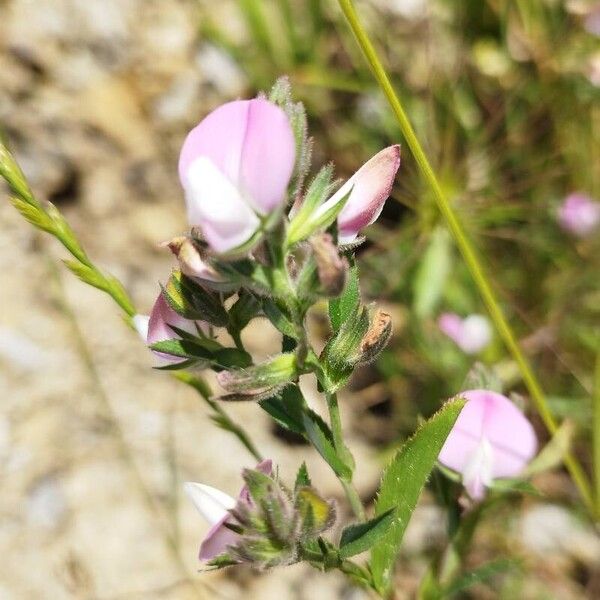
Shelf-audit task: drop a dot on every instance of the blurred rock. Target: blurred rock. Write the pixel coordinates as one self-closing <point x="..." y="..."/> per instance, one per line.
<point x="46" y="505"/>
<point x="554" y="530"/>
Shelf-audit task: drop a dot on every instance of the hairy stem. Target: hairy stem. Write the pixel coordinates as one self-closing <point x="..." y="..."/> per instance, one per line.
<point x="465" y="246"/>
<point x="596" y="434"/>
<point x="335" y="422"/>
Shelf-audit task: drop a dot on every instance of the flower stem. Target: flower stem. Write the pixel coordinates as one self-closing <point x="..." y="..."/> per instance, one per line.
<point x="335" y="422"/>
<point x="596" y="435"/>
<point x="465" y="246"/>
<point x="222" y="419"/>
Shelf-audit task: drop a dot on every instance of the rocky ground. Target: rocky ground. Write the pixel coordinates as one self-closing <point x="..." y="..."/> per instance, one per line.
<point x="96" y="98"/>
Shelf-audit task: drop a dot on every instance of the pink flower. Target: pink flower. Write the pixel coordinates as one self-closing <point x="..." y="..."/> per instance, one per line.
<point x="579" y="214"/>
<point x="235" y="167"/>
<point x="214" y="505"/>
<point x="369" y="188"/>
<point x="491" y="439"/>
<point x="591" y="22"/>
<point x="156" y="327"/>
<point x="471" y="334"/>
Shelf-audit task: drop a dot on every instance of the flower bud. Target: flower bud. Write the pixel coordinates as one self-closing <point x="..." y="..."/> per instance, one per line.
<point x="261" y="378"/>
<point x="491" y="439"/>
<point x="579" y="215"/>
<point x="369" y="188"/>
<point x="235" y="166"/>
<point x="265" y="526"/>
<point x="331" y="267"/>
<point x="214" y="506"/>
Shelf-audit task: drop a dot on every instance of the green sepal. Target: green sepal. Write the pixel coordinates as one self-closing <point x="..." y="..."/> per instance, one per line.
<point x="342" y="351"/>
<point x="302" y="228"/>
<point x="302" y="477"/>
<point x="194" y="302"/>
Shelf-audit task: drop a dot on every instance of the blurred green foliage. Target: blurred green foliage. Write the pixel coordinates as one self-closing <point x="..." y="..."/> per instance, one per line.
<point x="502" y="97"/>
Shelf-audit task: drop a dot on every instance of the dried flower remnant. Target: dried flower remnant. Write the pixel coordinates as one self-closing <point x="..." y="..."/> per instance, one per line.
<point x="491" y="439"/>
<point x="471" y="334"/>
<point x="235" y="167"/>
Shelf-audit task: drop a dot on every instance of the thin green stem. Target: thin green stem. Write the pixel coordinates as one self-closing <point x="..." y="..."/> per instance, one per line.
<point x="221" y="417"/>
<point x="353" y="499"/>
<point x="465" y="246"/>
<point x="596" y="435"/>
<point x="335" y="422"/>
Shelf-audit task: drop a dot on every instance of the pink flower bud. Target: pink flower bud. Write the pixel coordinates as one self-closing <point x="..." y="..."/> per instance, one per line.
<point x="214" y="505"/>
<point x="471" y="334"/>
<point x="491" y="439"/>
<point x="234" y="167"/>
<point x="579" y="215"/>
<point x="369" y="188"/>
<point x="156" y="327"/>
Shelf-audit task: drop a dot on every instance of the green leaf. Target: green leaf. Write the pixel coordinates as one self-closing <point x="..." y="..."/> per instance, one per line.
<point x="302" y="477"/>
<point x="179" y="366"/>
<point x="360" y="537"/>
<point x="182" y="349"/>
<point x="342" y="307"/>
<point x="320" y="435"/>
<point x="232" y="357"/>
<point x="193" y="301"/>
<point x="319" y="220"/>
<point x="259" y="484"/>
<point x="243" y="311"/>
<point x="431" y="276"/>
<point x="553" y="453"/>
<point x="278" y="318"/>
<point x="479" y="575"/>
<point x="287" y="409"/>
<point x="402" y="483"/>
<point x="318" y="191"/>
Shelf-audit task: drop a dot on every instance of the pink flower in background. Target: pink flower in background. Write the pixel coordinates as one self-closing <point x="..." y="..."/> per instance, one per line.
<point x="471" y="334"/>
<point x="592" y="20"/>
<point x="214" y="505"/>
<point x="579" y="214"/>
<point x="156" y="327"/>
<point x="369" y="188"/>
<point x="235" y="167"/>
<point x="491" y="439"/>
